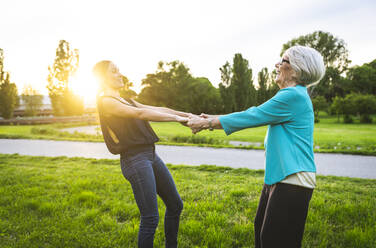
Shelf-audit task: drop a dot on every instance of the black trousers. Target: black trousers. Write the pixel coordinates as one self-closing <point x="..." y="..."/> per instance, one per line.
<point x="281" y="216"/>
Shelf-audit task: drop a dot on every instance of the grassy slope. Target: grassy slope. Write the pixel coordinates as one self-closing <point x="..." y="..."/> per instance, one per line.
<point x="75" y="202"/>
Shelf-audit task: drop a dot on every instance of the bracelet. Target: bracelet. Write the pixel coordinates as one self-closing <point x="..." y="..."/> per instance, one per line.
<point x="210" y="125"/>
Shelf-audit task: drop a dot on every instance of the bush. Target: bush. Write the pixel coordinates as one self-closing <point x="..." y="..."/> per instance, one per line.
<point x="43" y="131"/>
<point x="319" y="104"/>
<point x="365" y="106"/>
<point x="195" y="139"/>
<point x="355" y="104"/>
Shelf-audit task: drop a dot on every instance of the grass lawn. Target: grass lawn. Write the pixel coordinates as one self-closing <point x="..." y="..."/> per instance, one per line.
<point x="329" y="136"/>
<point x="76" y="202"/>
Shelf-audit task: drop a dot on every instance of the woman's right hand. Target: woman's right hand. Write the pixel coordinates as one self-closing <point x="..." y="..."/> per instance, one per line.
<point x="204" y="115"/>
<point x="180" y="119"/>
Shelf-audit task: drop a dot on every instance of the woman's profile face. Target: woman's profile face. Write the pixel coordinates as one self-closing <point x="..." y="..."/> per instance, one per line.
<point x="114" y="77"/>
<point x="284" y="71"/>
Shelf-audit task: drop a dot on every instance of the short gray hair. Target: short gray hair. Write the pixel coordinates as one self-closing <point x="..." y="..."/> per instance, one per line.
<point x="307" y="63"/>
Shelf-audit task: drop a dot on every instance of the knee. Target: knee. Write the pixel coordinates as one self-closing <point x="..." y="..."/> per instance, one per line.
<point x="150" y="222"/>
<point x="175" y="209"/>
<point x="179" y="206"/>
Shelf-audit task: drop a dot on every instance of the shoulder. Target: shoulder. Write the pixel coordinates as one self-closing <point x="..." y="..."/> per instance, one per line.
<point x="286" y="95"/>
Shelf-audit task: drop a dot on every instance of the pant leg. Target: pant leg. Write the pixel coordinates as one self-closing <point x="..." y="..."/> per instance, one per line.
<point x="260" y="213"/>
<point x="285" y="216"/>
<point x="166" y="189"/>
<point x="139" y="172"/>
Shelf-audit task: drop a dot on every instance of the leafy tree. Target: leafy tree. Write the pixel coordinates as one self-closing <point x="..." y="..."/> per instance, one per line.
<point x="8" y="91"/>
<point x="263" y="82"/>
<point x="226" y="89"/>
<point x="205" y="98"/>
<point x="344" y="106"/>
<point x="32" y="99"/>
<point x="273" y="88"/>
<point x="319" y="104"/>
<point x="365" y="106"/>
<point x="244" y="90"/>
<point x="236" y="87"/>
<point x="173" y="86"/>
<point x="363" y="78"/>
<point x="335" y="55"/>
<point x="126" y="92"/>
<point x="63" y="100"/>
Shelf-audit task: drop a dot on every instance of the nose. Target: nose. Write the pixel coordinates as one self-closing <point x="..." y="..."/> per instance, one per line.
<point x="277" y="65"/>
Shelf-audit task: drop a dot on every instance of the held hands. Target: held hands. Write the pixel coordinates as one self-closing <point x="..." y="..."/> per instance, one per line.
<point x="198" y="123"/>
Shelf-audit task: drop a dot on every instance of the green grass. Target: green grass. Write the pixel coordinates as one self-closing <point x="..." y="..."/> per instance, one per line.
<point x="329" y="136"/>
<point x="76" y="202"/>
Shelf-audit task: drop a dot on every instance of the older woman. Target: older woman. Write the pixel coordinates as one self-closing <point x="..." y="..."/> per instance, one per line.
<point x="290" y="167"/>
<point x="127" y="132"/>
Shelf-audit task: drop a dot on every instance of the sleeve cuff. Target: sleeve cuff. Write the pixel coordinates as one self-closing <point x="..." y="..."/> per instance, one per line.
<point x="224" y="123"/>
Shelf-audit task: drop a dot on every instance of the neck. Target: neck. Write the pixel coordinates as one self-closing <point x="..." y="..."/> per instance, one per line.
<point x="111" y="92"/>
<point x="288" y="84"/>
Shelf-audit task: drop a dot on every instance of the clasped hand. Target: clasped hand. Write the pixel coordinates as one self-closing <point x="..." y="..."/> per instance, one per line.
<point x="197" y="122"/>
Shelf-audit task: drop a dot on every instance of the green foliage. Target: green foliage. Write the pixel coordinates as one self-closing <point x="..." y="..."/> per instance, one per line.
<point x="8" y="92"/>
<point x="32" y="101"/>
<point x="363" y="78"/>
<point x="344" y="106"/>
<point x="205" y="98"/>
<point x="226" y="90"/>
<point x="64" y="102"/>
<point x="76" y="202"/>
<point x="126" y="91"/>
<point x="262" y="91"/>
<point x="236" y="87"/>
<point x="353" y="104"/>
<point x="365" y="106"/>
<point x="173" y="86"/>
<point x="319" y="104"/>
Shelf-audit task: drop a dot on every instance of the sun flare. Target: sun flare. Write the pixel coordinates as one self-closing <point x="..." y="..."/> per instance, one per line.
<point x="85" y="85"/>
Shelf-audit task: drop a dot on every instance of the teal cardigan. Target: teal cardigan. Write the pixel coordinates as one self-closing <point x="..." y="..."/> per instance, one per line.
<point x="289" y="140"/>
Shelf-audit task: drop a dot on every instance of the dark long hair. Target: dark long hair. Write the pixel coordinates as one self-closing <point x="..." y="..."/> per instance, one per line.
<point x="100" y="70"/>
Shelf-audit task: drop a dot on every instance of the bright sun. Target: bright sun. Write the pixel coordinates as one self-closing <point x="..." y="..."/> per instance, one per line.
<point x="85" y="84"/>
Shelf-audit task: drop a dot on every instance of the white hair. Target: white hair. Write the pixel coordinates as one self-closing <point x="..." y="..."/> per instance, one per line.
<point x="307" y="63"/>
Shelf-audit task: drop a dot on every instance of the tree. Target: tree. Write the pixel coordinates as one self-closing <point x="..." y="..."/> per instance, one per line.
<point x="365" y="106"/>
<point x="344" y="106"/>
<point x="263" y="82"/>
<point x="169" y="86"/>
<point x="63" y="100"/>
<point x="273" y="87"/>
<point x="32" y="100"/>
<point x="205" y="98"/>
<point x="126" y="92"/>
<point x="226" y="90"/>
<point x="244" y="90"/>
<point x="173" y="86"/>
<point x="319" y="104"/>
<point x="236" y="87"/>
<point x="363" y="78"/>
<point x="8" y="91"/>
<point x="335" y="55"/>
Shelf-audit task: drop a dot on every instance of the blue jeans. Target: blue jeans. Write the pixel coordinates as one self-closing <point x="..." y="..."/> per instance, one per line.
<point x="149" y="176"/>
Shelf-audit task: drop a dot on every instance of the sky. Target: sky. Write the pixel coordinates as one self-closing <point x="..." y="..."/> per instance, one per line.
<point x="203" y="34"/>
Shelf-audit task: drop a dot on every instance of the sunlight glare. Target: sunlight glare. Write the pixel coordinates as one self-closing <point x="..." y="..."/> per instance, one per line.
<point x="84" y="84"/>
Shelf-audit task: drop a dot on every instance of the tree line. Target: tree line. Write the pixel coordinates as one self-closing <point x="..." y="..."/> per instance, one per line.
<point x="172" y="85"/>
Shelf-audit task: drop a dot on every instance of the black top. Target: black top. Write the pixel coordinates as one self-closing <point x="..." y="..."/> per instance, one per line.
<point x="122" y="134"/>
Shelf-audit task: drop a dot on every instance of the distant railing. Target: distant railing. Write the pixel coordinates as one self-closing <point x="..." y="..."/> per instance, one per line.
<point x="90" y="119"/>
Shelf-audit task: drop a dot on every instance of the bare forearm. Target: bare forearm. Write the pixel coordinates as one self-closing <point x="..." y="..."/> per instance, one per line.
<point x="161" y="109"/>
<point x="152" y="115"/>
<point x="171" y="111"/>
